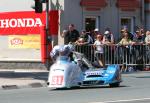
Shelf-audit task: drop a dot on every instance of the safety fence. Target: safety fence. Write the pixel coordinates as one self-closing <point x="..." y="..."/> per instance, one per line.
<point x="131" y="55"/>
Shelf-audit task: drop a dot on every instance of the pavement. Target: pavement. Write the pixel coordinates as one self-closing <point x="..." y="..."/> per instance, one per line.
<point x="22" y="78"/>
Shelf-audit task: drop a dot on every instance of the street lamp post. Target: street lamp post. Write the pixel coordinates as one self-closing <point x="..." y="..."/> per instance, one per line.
<point x="47" y="17"/>
<point x="48" y="38"/>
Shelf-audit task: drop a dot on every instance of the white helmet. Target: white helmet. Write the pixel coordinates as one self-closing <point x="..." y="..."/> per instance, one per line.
<point x="64" y="50"/>
<point x="71" y="47"/>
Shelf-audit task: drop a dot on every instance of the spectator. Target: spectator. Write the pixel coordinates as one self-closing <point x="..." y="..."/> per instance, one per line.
<point x="125" y="40"/>
<point x="129" y="33"/>
<point x="139" y="37"/>
<point x="147" y="38"/>
<point x="72" y="34"/>
<point x="98" y="45"/>
<point x="83" y="39"/>
<point x="124" y="49"/>
<point x="142" y="33"/>
<point x="86" y="37"/>
<point x="90" y="39"/>
<point x="139" y="49"/>
<point x="108" y="40"/>
<point x="91" y="34"/>
<point x="108" y="37"/>
<point x="82" y="43"/>
<point x="96" y="32"/>
<point x="147" y="41"/>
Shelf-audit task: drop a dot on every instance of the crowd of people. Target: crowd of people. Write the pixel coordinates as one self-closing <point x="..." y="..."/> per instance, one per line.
<point x="89" y="37"/>
<point x="98" y="39"/>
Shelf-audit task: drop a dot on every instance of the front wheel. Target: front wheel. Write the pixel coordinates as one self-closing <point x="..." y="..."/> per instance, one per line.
<point x="114" y="85"/>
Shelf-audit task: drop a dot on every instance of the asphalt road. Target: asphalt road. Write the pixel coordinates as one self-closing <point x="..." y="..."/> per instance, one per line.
<point x="134" y="89"/>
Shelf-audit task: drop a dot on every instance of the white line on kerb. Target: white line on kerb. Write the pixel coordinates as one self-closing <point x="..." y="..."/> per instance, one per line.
<point x="117" y="101"/>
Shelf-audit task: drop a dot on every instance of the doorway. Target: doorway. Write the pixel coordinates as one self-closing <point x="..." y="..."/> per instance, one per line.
<point x="91" y="23"/>
<point x="127" y="22"/>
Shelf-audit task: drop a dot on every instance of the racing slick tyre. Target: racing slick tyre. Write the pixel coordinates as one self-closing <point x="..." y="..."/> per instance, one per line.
<point x="75" y="87"/>
<point x="114" y="85"/>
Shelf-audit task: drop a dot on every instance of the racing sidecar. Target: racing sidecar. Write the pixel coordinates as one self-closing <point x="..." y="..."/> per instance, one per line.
<point x="66" y="74"/>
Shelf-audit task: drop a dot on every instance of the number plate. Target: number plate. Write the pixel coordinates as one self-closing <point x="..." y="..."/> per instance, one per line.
<point x="57" y="80"/>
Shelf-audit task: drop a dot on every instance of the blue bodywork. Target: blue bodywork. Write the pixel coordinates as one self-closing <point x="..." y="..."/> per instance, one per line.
<point x="111" y="75"/>
<point x="99" y="76"/>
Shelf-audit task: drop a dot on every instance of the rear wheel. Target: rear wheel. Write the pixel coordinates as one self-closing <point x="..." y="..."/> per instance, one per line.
<point x="114" y="84"/>
<point x="75" y="87"/>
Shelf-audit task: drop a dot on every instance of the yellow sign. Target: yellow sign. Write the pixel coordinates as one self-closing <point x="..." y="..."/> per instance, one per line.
<point x="24" y="41"/>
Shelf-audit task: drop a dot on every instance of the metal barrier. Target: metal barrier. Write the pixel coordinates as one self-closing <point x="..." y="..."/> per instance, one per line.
<point x="132" y="55"/>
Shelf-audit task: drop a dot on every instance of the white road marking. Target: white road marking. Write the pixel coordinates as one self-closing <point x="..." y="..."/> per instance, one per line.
<point x="117" y="101"/>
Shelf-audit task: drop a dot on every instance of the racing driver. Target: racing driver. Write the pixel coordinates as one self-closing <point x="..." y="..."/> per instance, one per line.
<point x="62" y="50"/>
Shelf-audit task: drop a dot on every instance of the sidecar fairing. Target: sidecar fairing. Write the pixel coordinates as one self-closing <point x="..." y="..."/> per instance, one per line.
<point x="64" y="74"/>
